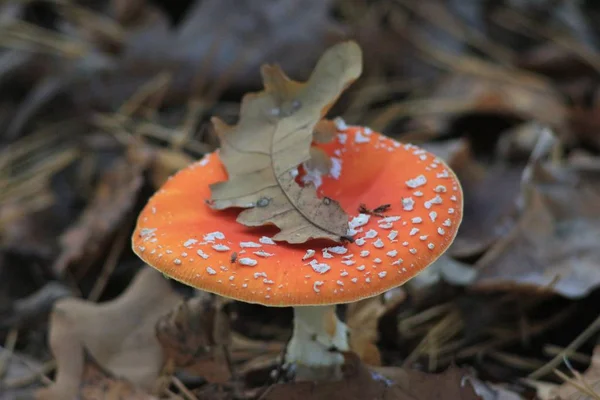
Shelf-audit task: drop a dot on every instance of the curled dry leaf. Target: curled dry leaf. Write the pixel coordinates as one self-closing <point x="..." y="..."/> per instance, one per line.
<point x="273" y="137"/>
<point x="119" y="334"/>
<point x="360" y="382"/>
<point x="554" y="245"/>
<point x="193" y="337"/>
<point x="115" y="196"/>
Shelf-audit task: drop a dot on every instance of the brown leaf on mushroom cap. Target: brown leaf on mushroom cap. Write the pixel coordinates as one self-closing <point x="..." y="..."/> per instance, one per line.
<point x="273" y="137"/>
<point x="119" y="334"/>
<point x="192" y="337"/>
<point x="554" y="245"/>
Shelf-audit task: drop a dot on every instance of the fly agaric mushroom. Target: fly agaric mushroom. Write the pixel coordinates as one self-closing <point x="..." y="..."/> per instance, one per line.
<point x="419" y="196"/>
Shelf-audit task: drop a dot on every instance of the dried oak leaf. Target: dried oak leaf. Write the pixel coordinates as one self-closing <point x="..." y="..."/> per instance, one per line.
<point x="119" y="334"/>
<point x="360" y="383"/>
<point x="568" y="391"/>
<point x="194" y="336"/>
<point x="272" y="138"/>
<point x="554" y="245"/>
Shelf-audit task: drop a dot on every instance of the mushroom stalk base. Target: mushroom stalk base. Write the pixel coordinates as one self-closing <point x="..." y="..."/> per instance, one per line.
<point x="317" y="331"/>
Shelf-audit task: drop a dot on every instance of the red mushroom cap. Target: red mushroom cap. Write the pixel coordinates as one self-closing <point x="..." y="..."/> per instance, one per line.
<point x="180" y="235"/>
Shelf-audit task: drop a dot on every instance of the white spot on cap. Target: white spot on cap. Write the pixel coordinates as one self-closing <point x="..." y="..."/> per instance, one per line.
<point x="431" y="246"/>
<point x="202" y="254"/>
<point x="443" y="174"/>
<point x="392" y="253"/>
<point x="141" y="248"/>
<point x="211" y="271"/>
<point x="340" y="283"/>
<point x="408" y="204"/>
<point x="389" y="225"/>
<point x="424" y="237"/>
<point x="414" y="231"/>
<point x="378" y="243"/>
<point x="382" y="274"/>
<point x="316" y="286"/>
<point x="441" y="231"/>
<point x="412" y="251"/>
<point x="447" y="222"/>
<point x="220" y="247"/>
<point x="453" y="198"/>
<point x="340" y="124"/>
<point x="393" y="235"/>
<point x="309" y="254"/>
<point x="361" y="268"/>
<point x="344" y="273"/>
<point x="342" y="137"/>
<point x="377" y="261"/>
<point x="250" y="244"/>
<point x="389" y="219"/>
<point x="440" y="189"/>
<point x="177" y="261"/>
<point x="359" y="220"/>
<point x="416" y="182"/>
<point x="337" y="249"/>
<point x="249" y="262"/>
<point x="360" y="241"/>
<point x="336" y="168"/>
<point x="262" y="253"/>
<point x="354" y="280"/>
<point x="266" y="240"/>
<point x="318" y="267"/>
<point x="433" y="216"/>
<point x="364" y="253"/>
<point x="348" y="262"/>
<point x="398" y="262"/>
<point x="360" y="138"/>
<point x="417" y="220"/>
<point x="211" y="237"/>
<point x="371" y="233"/>
<point x="188" y="243"/>
<point x="451" y="211"/>
<point x="260" y="274"/>
<point x="147" y="232"/>
<point x="326" y="254"/>
<point x="418" y="193"/>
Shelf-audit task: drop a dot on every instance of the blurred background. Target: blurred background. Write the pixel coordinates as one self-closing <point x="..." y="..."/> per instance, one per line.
<point x="102" y="100"/>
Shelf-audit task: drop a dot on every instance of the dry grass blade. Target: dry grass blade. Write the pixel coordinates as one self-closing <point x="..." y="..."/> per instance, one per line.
<point x="590" y="331"/>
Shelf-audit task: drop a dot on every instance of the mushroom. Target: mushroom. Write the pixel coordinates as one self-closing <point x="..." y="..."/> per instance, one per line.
<point x="419" y="204"/>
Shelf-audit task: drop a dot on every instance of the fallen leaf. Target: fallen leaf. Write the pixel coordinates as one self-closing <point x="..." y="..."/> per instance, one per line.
<point x="490" y="190"/>
<point x="554" y="245"/>
<point x="119" y="334"/>
<point x="511" y="94"/>
<point x="98" y="383"/>
<point x="568" y="391"/>
<point x="361" y="383"/>
<point x="115" y="196"/>
<point x="193" y="337"/>
<point x="273" y="137"/>
<point x="362" y="318"/>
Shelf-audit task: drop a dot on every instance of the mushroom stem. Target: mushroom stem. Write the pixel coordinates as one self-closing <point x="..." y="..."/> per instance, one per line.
<point x="317" y="331"/>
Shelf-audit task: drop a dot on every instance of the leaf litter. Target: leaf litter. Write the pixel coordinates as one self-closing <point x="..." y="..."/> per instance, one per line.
<point x="101" y="104"/>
